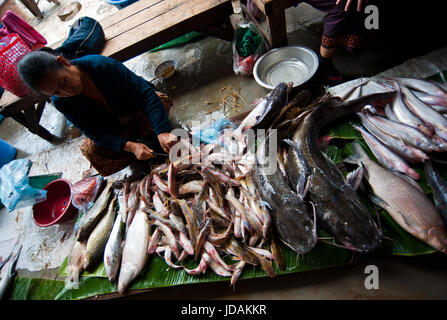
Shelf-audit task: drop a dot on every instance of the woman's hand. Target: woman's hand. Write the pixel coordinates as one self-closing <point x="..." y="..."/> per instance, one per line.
<point x="360" y="4"/>
<point x="167" y="140"/>
<point x="140" y="150"/>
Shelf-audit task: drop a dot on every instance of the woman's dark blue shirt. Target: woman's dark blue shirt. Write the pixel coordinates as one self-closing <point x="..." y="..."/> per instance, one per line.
<point x="125" y="93"/>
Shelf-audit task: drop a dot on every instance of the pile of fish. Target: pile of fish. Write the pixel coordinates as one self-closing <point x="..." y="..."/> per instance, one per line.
<point x="223" y="206"/>
<point x="204" y="209"/>
<point x="408" y="130"/>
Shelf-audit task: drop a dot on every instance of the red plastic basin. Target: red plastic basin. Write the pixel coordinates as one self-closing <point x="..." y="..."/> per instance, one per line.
<point x="57" y="208"/>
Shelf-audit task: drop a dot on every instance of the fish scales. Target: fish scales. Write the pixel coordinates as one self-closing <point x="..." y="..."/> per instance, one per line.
<point x="95" y="213"/>
<point x="406" y="204"/>
<point x="98" y="238"/>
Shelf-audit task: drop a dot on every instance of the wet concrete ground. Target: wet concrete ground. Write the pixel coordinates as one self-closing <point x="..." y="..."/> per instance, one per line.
<point x="207" y="68"/>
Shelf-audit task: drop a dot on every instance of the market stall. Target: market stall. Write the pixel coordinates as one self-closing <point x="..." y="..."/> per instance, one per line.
<point x="44" y="261"/>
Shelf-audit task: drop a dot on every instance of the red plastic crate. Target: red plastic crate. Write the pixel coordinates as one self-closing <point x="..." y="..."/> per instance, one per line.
<point x="9" y="57"/>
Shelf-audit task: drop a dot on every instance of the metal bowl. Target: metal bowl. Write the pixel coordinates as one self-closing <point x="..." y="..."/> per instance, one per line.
<point x="295" y="64"/>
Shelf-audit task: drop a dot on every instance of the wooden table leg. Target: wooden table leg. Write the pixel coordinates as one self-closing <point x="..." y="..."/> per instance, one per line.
<point x="277" y="27"/>
<point x="24" y="119"/>
<point x="265" y="35"/>
<point x="32" y="6"/>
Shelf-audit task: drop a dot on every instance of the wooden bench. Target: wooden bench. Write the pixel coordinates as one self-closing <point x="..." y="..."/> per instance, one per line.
<point x="129" y="32"/>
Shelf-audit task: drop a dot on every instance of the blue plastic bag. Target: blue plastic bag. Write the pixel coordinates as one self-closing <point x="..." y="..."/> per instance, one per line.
<point x="212" y="133"/>
<point x="15" y="191"/>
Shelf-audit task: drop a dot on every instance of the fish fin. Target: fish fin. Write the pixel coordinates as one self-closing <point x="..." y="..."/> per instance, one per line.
<point x="302" y="186"/>
<point x="409" y="221"/>
<point x="409" y="180"/>
<point x="378" y="201"/>
<point x="358" y="155"/>
<point x="265" y="204"/>
<point x="354" y="178"/>
<point x="291" y="143"/>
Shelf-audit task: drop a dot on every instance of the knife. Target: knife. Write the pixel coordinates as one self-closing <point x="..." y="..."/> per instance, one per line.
<point x="151" y="146"/>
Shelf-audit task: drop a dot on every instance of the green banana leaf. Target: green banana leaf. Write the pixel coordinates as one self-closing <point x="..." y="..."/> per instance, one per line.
<point x="157" y="274"/>
<point x="178" y="41"/>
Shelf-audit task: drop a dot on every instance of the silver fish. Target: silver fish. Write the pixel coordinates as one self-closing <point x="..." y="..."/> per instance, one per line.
<point x="408" y="134"/>
<point x="114" y="249"/>
<point x="409" y="153"/>
<point x="385" y="156"/>
<point x="421" y="85"/>
<point x="7" y="280"/>
<point x="135" y="254"/>
<point x="431" y="100"/>
<point x="405" y="116"/>
<point x="406" y="204"/>
<point x="122" y="203"/>
<point x="426" y="113"/>
<point x="390" y="114"/>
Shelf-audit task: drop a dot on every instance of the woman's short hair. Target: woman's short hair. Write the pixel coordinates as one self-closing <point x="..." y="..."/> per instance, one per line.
<point x="36" y="64"/>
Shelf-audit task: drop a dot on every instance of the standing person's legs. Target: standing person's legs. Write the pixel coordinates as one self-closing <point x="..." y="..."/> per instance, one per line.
<point x="108" y="162"/>
<point x="341" y="29"/>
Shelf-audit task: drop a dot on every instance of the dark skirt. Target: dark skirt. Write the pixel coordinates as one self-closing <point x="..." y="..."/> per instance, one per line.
<point x="108" y="162"/>
<point x="341" y="29"/>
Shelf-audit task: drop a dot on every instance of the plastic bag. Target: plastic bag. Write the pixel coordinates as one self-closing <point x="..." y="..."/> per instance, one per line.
<point x="212" y="133"/>
<point x="84" y="192"/>
<point x="248" y="46"/>
<point x="13" y="23"/>
<point x="15" y="191"/>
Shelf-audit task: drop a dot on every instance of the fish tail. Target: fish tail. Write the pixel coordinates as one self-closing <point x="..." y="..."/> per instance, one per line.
<point x="358" y="156"/>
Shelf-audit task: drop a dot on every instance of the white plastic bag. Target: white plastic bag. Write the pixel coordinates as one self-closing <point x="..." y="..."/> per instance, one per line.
<point x="244" y="64"/>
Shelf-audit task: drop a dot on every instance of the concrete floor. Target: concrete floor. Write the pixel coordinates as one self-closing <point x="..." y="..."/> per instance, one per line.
<point x="191" y="87"/>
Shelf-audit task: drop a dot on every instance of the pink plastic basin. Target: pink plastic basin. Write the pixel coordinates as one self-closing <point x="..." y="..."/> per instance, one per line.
<point x="57" y="208"/>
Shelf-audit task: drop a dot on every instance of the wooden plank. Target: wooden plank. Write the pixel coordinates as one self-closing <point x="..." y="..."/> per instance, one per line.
<point x="194" y="15"/>
<point x="128" y="11"/>
<point x="10" y="103"/>
<point x="163" y="8"/>
<point x="268" y="6"/>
